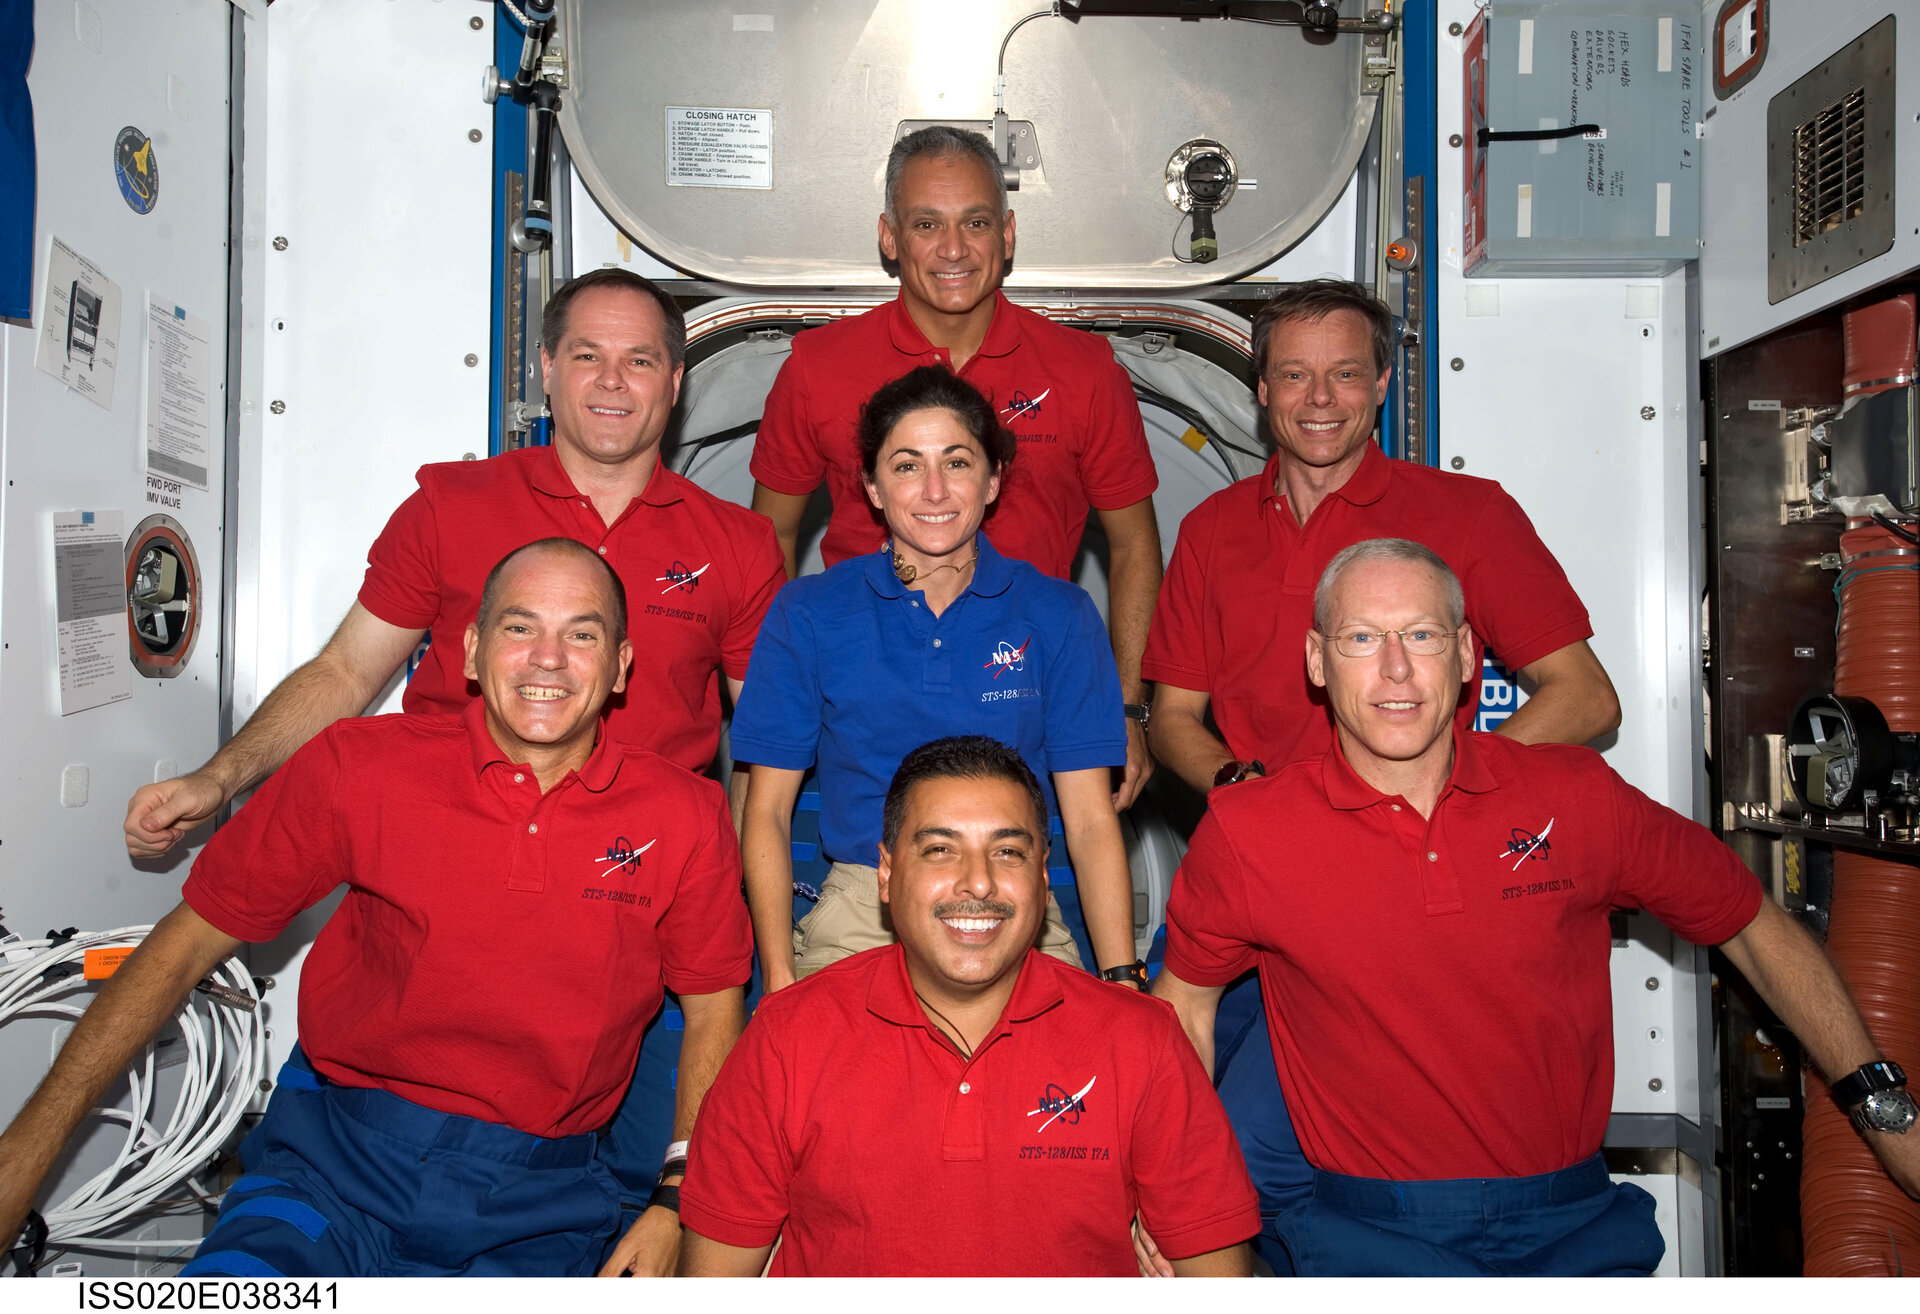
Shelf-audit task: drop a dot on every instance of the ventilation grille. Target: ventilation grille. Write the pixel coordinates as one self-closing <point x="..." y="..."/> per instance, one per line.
<point x="1830" y="168"/>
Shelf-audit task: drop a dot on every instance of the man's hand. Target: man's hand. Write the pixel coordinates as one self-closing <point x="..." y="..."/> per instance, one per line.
<point x="1139" y="768"/>
<point x="1147" y="1254"/>
<point x="1900" y="1156"/>
<point x="159" y="816"/>
<point x="651" y="1247"/>
<point x="340" y="681"/>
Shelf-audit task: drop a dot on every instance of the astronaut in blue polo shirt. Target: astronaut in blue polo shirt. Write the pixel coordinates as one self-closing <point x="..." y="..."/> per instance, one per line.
<point x="936" y="634"/>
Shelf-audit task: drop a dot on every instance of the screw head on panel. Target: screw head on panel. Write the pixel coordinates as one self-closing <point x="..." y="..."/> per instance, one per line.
<point x="1653" y="983"/>
<point x="476" y="22"/>
<point x="1647" y="412"/>
<point x="1455" y="140"/>
<point x="1456" y="364"/>
<point x="1653" y="1084"/>
<point x="473" y="134"/>
<point x="472" y="360"/>
<point x="1454" y="29"/>
<point x="277" y="407"/>
<point x="279" y="243"/>
<point x="1459" y="463"/>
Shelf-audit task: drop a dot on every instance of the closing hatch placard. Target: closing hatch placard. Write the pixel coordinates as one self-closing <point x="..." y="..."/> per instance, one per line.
<point x="711" y="146"/>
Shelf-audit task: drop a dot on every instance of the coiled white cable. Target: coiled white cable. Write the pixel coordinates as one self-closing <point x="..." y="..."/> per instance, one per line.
<point x="225" y="1057"/>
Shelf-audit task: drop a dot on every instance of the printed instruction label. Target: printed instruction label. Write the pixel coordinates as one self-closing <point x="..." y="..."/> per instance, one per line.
<point x="90" y="609"/>
<point x="718" y="147"/>
<point x="79" y="341"/>
<point x="179" y="417"/>
<point x="99" y="964"/>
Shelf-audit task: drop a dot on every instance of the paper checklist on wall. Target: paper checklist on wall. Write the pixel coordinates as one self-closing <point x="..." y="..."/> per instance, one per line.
<point x="79" y="325"/>
<point x="178" y="419"/>
<point x="90" y="604"/>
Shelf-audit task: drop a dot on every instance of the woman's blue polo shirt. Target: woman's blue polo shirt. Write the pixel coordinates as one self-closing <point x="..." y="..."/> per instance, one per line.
<point x="851" y="673"/>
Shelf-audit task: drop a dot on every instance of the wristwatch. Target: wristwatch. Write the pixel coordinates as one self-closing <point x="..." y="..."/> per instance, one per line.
<point x="1875" y="1097"/>
<point x="1136" y="972"/>
<point x="1232" y="773"/>
<point x="1141" y="712"/>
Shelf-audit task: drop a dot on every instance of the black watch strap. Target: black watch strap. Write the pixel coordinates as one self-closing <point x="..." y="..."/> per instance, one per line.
<point x="666" y="1197"/>
<point x="1136" y="972"/>
<point x="1865" y="1080"/>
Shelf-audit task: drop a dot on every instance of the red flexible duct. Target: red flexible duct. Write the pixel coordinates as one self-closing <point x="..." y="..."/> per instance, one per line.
<point x="1854" y="1220"/>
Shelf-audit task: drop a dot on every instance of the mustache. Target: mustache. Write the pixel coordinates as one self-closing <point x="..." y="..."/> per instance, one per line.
<point x="974" y="908"/>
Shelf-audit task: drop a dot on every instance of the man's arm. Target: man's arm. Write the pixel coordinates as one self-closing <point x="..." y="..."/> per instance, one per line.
<point x="1195" y="1007"/>
<point x="1181" y="739"/>
<point x="701" y="1257"/>
<point x="1573" y="701"/>
<point x="1794" y="976"/>
<point x="1133" y="582"/>
<point x="134" y="1003"/>
<point x="766" y="849"/>
<point x="651" y="1247"/>
<point x="1234" y="1261"/>
<point x="1099" y="863"/>
<point x="742" y="771"/>
<point x="785" y="511"/>
<point x="340" y="681"/>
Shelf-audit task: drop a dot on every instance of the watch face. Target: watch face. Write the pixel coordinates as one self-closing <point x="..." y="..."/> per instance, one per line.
<point x="1887" y="1111"/>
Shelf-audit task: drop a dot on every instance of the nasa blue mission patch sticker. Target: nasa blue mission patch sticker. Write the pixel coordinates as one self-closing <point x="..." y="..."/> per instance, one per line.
<point x="136" y="169"/>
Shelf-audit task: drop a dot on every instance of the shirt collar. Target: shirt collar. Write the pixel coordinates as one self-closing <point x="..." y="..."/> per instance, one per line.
<point x="992" y="574"/>
<point x="548" y="476"/>
<point x="1346" y="791"/>
<point x="891" y="997"/>
<point x="596" y="773"/>
<point x="1367" y="484"/>
<point x="1003" y="334"/>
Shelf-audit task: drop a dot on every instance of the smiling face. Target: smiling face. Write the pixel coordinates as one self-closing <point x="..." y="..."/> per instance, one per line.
<point x="932" y="483"/>
<point x="1393" y="708"/>
<point x="611" y="384"/>
<point x="966" y="878"/>
<point x="1321" y="388"/>
<point x="948" y="234"/>
<point x="546" y="660"/>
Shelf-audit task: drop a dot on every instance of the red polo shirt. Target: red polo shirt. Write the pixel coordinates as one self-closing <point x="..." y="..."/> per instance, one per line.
<point x="1057" y="389"/>
<point x="1438" y="989"/>
<point x="699" y="573"/>
<point x="1237" y="600"/>
<point x="847" y="1123"/>
<point x="499" y="951"/>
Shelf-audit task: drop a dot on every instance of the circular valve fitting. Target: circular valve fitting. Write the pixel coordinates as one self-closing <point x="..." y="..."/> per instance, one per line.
<point x="163" y="597"/>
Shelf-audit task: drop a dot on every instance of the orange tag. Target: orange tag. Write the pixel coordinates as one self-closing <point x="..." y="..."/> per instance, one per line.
<point x="99" y="964"/>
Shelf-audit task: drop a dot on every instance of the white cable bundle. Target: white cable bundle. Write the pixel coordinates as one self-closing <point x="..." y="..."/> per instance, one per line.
<point x="225" y="1058"/>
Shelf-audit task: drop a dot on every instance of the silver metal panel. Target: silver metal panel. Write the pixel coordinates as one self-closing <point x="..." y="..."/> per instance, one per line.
<point x="1830" y="163"/>
<point x="371" y="312"/>
<point x="1112" y="98"/>
<point x="164" y="69"/>
<point x="1574" y="394"/>
<point x="1734" y="307"/>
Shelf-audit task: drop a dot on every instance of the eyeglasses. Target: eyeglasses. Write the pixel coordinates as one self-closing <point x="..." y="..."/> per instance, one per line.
<point x="1422" y="641"/>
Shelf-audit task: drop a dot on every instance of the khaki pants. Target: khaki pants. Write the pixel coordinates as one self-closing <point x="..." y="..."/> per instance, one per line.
<point x="850" y="918"/>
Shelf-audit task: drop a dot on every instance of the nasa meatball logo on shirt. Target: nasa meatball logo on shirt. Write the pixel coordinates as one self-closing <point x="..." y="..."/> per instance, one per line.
<point x="1022" y="406"/>
<point x="622" y="859"/>
<point x="679" y="580"/>
<point x="1526" y="847"/>
<point x="1008" y="658"/>
<point x="1061" y="1112"/>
